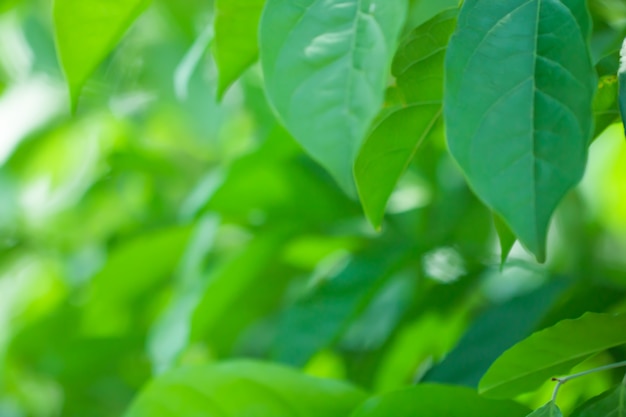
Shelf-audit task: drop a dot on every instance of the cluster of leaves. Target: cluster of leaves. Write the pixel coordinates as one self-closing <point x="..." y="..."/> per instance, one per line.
<point x="175" y="240"/>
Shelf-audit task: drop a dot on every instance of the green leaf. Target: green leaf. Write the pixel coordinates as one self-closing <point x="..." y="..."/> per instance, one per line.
<point x="244" y="388"/>
<point x="436" y="401"/>
<point x="490" y="335"/>
<point x="548" y="410"/>
<point x="552" y="352"/>
<point x="235" y="45"/>
<point x="610" y="404"/>
<point x="326" y="66"/>
<point x="87" y="31"/>
<point x="506" y="236"/>
<point x="421" y="11"/>
<point x="391" y="145"/>
<point x="622" y="84"/>
<point x="316" y="320"/>
<point x="520" y="130"/>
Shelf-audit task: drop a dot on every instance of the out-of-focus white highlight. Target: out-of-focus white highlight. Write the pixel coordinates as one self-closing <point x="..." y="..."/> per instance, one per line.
<point x="26" y="107"/>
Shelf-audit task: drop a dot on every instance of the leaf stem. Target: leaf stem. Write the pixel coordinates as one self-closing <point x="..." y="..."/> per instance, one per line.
<point x="563" y="380"/>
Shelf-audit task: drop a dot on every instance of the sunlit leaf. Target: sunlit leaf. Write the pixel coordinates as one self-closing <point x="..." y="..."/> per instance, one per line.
<point x="391" y="145"/>
<point x="437" y="401"/>
<point x="244" y="388"/>
<point x="87" y="31"/>
<point x="552" y="352"/>
<point x="326" y="66"/>
<point x="235" y="44"/>
<point x="519" y="92"/>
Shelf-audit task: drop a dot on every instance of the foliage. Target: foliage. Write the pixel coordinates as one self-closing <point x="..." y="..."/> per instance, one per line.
<point x="293" y="207"/>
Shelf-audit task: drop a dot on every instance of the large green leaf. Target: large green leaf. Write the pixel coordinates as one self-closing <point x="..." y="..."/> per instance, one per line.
<point x="552" y="352"/>
<point x="438" y="401"/>
<point x="391" y="145"/>
<point x="326" y="65"/>
<point x="518" y="106"/>
<point x="548" y="410"/>
<point x="244" y="388"/>
<point x="235" y="45"/>
<point x="610" y="404"/>
<point x="87" y="31"/>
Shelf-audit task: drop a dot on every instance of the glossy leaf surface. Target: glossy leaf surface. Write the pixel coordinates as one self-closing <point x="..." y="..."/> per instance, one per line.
<point x="326" y="66"/>
<point x="552" y="352"/>
<point x="235" y="45"/>
<point x="519" y="92"/>
<point x="437" y="401"/>
<point x="391" y="145"/>
<point x="244" y="388"/>
<point x="87" y="31"/>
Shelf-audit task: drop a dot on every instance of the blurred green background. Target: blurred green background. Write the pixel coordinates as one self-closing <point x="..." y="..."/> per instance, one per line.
<point x="157" y="227"/>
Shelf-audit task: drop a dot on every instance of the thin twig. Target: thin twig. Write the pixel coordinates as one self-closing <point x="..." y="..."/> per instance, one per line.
<point x="563" y="380"/>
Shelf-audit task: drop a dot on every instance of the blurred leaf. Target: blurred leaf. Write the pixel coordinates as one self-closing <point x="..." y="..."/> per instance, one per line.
<point x="244" y="388"/>
<point x="87" y="31"/>
<point x="540" y="106"/>
<point x="611" y="403"/>
<point x="319" y="318"/>
<point x="133" y="268"/>
<point x="326" y="66"/>
<point x="552" y="352"/>
<point x="438" y="401"/>
<point x="493" y="332"/>
<point x="239" y="281"/>
<point x="390" y="147"/>
<point x="236" y="45"/>
<point x="622" y="84"/>
<point x="548" y="410"/>
<point x="605" y="104"/>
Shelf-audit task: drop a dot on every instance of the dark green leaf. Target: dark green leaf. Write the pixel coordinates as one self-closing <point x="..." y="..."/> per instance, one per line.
<point x="518" y="106"/>
<point x="235" y="45"/>
<point x="326" y="66"/>
<point x="506" y="236"/>
<point x="552" y="352"/>
<point x="87" y="31"/>
<point x="438" y="401"/>
<point x="610" y="404"/>
<point x="244" y="388"/>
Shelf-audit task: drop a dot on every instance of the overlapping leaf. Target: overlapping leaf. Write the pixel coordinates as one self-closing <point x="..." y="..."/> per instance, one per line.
<point x="436" y="401"/>
<point x="518" y="106"/>
<point x="326" y="65"/>
<point x="548" y="410"/>
<point x="87" y="31"/>
<point x="552" y="352"/>
<point x="393" y="142"/>
<point x="244" y="388"/>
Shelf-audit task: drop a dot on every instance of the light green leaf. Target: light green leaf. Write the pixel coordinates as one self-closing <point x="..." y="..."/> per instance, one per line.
<point x="610" y="404"/>
<point x="421" y="11"/>
<point x="552" y="352"/>
<point x="436" y="401"/>
<point x="392" y="144"/>
<point x="518" y="106"/>
<point x="235" y="45"/>
<point x="244" y="388"/>
<point x="548" y="410"/>
<point x="87" y="31"/>
<point x="326" y="66"/>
